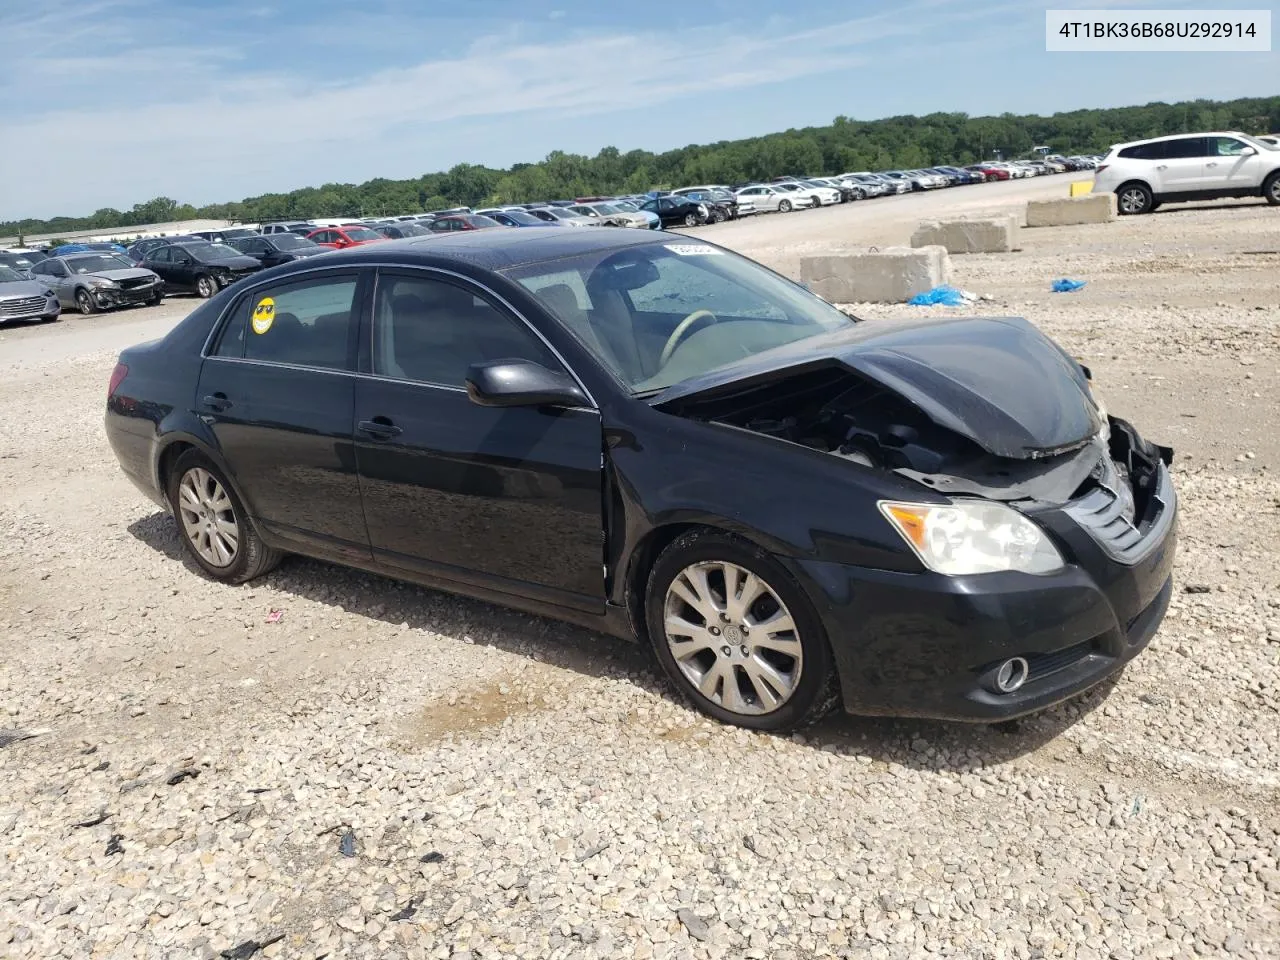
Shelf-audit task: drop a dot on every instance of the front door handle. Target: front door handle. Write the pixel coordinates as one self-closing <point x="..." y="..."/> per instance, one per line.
<point x="379" y="428"/>
<point x="1163" y="167"/>
<point x="216" y="401"/>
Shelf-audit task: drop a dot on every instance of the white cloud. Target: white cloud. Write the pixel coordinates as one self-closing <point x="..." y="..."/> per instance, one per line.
<point x="211" y="137"/>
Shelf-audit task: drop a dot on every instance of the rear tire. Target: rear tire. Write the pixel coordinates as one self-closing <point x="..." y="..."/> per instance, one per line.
<point x="1271" y="189"/>
<point x="732" y="665"/>
<point x="213" y="526"/>
<point x="1133" y="199"/>
<point x="206" y="287"/>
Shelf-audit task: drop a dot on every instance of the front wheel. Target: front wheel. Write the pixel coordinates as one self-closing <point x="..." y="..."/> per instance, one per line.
<point x="206" y="287"/>
<point x="1134" y="198"/>
<point x="212" y="523"/>
<point x="690" y="220"/>
<point x="736" y="635"/>
<point x="784" y="206"/>
<point x="156" y="300"/>
<point x="84" y="301"/>
<point x="719" y="216"/>
<point x="1271" y="189"/>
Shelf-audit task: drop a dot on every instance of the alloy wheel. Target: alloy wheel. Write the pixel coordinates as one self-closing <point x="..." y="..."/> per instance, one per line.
<point x="1133" y="200"/>
<point x="732" y="637"/>
<point x="208" y="518"/>
<point x="1275" y="190"/>
<point x="84" y="301"/>
<point x="205" y="287"/>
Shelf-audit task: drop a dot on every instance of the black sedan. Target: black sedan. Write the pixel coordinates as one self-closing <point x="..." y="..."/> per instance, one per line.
<point x="660" y="438"/>
<point x="276" y="248"/>
<point x="199" y="267"/>
<point x="677" y="211"/>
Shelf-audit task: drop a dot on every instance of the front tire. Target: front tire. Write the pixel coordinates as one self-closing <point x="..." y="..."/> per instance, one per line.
<point x="206" y="287"/>
<point x="212" y="523"/>
<point x="84" y="302"/>
<point x="1133" y="199"/>
<point x="1271" y="189"/>
<point x="690" y="220"/>
<point x="156" y="300"/>
<point x="719" y="216"/>
<point x="736" y="635"/>
<point x="784" y="206"/>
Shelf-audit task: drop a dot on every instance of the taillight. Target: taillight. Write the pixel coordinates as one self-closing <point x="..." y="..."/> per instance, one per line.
<point x="117" y="377"/>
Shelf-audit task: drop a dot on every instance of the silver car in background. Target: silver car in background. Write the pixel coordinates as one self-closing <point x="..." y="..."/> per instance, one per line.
<point x="22" y="298"/>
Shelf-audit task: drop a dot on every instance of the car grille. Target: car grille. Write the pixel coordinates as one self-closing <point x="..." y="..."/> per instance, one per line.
<point x="21" y="308"/>
<point x="134" y="282"/>
<point x="1101" y="513"/>
<point x="1041" y="665"/>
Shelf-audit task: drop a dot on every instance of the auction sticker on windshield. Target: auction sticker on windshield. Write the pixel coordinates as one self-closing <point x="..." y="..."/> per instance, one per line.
<point x="694" y="250"/>
<point x="264" y="314"/>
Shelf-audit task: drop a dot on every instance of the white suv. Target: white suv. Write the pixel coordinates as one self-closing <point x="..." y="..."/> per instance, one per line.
<point x="1202" y="166"/>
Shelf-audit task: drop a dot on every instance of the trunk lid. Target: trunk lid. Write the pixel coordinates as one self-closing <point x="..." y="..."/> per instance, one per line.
<point x="998" y="381"/>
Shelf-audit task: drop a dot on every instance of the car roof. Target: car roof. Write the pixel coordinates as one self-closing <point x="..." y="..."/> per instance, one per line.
<point x="1180" y="136"/>
<point x="502" y="249"/>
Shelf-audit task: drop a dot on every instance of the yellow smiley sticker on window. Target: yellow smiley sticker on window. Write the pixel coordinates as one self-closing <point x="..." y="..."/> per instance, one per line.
<point x="264" y="314"/>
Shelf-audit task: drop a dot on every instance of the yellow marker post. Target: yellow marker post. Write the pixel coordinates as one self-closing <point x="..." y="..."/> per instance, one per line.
<point x="264" y="314"/>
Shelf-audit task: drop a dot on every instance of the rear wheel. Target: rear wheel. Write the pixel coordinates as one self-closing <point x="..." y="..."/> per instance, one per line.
<point x="736" y="635"/>
<point x="1271" y="189"/>
<point x="1134" y="198"/>
<point x="84" y="301"/>
<point x="212" y="523"/>
<point x="206" y="287"/>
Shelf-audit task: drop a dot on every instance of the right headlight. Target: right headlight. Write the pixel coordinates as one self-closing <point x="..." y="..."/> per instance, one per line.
<point x="972" y="536"/>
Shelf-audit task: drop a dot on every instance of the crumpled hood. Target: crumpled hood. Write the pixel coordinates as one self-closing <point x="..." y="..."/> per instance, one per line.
<point x="123" y="273"/>
<point x="998" y="381"/>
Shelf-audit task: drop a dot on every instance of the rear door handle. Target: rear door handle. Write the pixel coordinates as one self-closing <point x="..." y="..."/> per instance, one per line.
<point x="217" y="401"/>
<point x="379" y="428"/>
<point x="1214" y="164"/>
<point x="1163" y="167"/>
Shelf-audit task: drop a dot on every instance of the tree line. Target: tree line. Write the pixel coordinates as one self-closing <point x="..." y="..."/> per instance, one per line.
<point x="845" y="145"/>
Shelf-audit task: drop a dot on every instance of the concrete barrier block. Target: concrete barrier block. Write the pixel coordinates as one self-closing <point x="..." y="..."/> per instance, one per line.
<point x="991" y="235"/>
<point x="1091" y="208"/>
<point x="892" y="275"/>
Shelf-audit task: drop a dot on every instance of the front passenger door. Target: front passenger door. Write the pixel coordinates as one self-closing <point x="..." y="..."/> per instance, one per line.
<point x="1228" y="168"/>
<point x="505" y="499"/>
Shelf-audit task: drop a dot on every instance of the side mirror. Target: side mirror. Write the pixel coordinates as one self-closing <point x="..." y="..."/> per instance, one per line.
<point x="1248" y="152"/>
<point x="521" y="383"/>
<point x="184" y="261"/>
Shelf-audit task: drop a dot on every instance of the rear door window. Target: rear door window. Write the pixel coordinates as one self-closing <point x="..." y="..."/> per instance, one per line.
<point x="308" y="323"/>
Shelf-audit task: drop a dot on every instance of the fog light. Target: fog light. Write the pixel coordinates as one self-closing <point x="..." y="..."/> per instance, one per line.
<point x="1011" y="675"/>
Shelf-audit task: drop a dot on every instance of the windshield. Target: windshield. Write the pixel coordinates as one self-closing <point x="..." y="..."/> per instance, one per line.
<point x="98" y="262"/>
<point x="210" y="252"/>
<point x="519" y="216"/>
<point x="1259" y="143"/>
<point x="660" y="313"/>
<point x="8" y="274"/>
<point x="362" y="233"/>
<point x="20" y="263"/>
<point x="291" y="241"/>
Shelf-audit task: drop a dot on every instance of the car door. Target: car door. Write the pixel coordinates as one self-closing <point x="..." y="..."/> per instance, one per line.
<point x="160" y="261"/>
<point x="1228" y="168"/>
<point x="277" y="391"/>
<point x="55" y="275"/>
<point x="502" y="498"/>
<point x="257" y="248"/>
<point x="1179" y="164"/>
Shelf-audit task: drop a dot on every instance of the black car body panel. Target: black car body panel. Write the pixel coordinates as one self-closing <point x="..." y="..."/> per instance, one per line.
<point x="561" y="511"/>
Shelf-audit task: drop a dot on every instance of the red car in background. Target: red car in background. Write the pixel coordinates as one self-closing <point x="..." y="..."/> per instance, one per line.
<point x="340" y="238"/>
<point x="991" y="173"/>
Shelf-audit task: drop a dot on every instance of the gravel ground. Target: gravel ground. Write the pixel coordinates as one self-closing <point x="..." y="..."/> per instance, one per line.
<point x="383" y="771"/>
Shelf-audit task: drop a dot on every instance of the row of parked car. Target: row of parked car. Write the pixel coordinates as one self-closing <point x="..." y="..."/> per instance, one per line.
<point x="91" y="277"/>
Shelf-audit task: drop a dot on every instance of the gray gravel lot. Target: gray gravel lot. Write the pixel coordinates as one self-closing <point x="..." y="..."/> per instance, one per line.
<point x="392" y="772"/>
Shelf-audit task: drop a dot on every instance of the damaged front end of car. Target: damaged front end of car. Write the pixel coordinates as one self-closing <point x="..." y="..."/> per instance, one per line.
<point x="1044" y="528"/>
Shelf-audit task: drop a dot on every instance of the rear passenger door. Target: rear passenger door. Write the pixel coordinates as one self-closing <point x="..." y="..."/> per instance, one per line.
<point x="277" y="390"/>
<point x="504" y="499"/>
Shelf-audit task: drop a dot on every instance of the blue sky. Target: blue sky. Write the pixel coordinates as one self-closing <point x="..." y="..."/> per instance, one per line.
<point x="112" y="102"/>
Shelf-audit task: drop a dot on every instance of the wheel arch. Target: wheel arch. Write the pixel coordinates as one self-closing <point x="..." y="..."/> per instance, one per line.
<point x="174" y="446"/>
